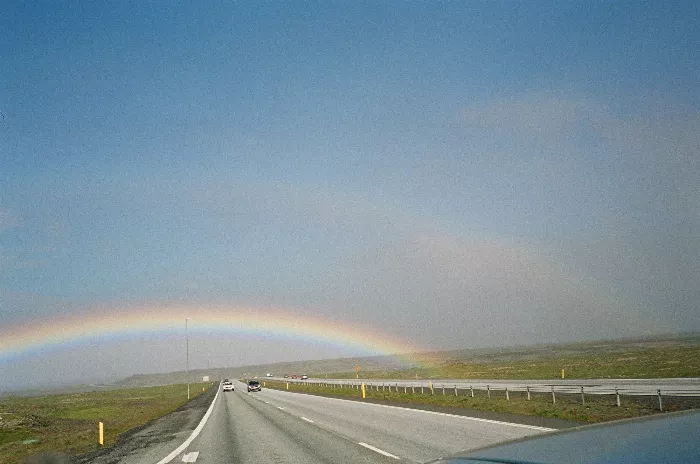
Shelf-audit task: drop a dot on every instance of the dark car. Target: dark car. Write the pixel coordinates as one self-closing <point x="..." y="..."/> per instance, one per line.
<point x="253" y="385"/>
<point x="668" y="439"/>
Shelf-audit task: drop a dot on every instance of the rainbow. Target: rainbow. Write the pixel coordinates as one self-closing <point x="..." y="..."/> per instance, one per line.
<point x="104" y="324"/>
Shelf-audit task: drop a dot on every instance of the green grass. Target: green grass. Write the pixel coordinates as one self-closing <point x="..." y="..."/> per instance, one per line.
<point x="610" y="360"/>
<point x="596" y="408"/>
<point x="69" y="422"/>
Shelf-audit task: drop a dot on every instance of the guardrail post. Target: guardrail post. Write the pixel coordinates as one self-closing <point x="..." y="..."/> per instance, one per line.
<point x="413" y="390"/>
<point x="528" y="392"/>
<point x="455" y="390"/>
<point x="617" y="397"/>
<point x="507" y="396"/>
<point x="661" y="406"/>
<point x="471" y="388"/>
<point x="554" y="398"/>
<point x="443" y="389"/>
<point x="421" y="389"/>
<point x="488" y="391"/>
<point x="583" y="399"/>
<point x="405" y="388"/>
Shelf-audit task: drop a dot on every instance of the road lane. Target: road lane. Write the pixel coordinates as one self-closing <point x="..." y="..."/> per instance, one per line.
<point x="244" y="430"/>
<point x="410" y="434"/>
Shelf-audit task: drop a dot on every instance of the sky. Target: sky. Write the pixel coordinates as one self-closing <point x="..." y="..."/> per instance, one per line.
<point x="442" y="175"/>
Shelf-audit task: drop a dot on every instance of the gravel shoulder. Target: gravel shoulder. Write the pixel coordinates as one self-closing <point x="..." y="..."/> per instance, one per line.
<point x="155" y="439"/>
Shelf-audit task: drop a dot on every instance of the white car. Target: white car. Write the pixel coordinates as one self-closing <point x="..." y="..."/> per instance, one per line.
<point x="228" y="386"/>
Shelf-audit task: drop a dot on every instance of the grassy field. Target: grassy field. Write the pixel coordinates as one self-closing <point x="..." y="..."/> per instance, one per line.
<point x="69" y="422"/>
<point x="677" y="358"/>
<point x="595" y="409"/>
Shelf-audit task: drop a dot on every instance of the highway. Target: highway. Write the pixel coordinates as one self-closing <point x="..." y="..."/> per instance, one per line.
<point x="282" y="427"/>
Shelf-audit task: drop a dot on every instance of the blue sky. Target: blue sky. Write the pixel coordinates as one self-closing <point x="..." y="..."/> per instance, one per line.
<point x="434" y="169"/>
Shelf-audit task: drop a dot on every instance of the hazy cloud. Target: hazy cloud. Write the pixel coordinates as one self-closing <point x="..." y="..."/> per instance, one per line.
<point x="8" y="220"/>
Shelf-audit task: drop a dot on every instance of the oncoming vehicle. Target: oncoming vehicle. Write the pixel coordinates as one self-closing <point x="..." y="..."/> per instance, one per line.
<point x="304" y="377"/>
<point x="228" y="386"/>
<point x="253" y="385"/>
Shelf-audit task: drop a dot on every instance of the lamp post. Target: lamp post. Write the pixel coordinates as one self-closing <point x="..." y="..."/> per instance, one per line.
<point x="187" y="356"/>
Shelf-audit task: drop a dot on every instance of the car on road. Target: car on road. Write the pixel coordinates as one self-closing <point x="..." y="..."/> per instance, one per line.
<point x="304" y="377"/>
<point x="253" y="385"/>
<point x="228" y="386"/>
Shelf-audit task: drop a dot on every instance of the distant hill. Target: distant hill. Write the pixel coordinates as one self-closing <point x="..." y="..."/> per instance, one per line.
<point x="317" y="367"/>
<point x="474" y="363"/>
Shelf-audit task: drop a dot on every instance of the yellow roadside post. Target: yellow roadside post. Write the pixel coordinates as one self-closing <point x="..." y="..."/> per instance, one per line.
<point x="431" y="387"/>
<point x="102" y="434"/>
<point x="562" y="373"/>
<point x="287" y="385"/>
<point x="364" y="391"/>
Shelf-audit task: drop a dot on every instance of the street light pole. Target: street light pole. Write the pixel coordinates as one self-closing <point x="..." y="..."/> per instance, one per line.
<point x="187" y="355"/>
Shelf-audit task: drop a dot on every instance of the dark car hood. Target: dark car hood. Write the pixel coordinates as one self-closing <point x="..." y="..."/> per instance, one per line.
<point x="668" y="438"/>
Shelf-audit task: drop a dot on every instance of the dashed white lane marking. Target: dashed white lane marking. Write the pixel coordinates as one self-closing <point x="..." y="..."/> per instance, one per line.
<point x="423" y="411"/>
<point x="190" y="457"/>
<point x="267" y="402"/>
<point x="377" y="450"/>
<point x="306" y="419"/>
<point x="280" y="407"/>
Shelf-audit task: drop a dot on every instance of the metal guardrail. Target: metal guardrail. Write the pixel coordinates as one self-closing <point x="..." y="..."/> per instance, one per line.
<point x="688" y="387"/>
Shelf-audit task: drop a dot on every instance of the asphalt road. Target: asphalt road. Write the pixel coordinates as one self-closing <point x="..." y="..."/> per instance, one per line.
<point x="281" y="427"/>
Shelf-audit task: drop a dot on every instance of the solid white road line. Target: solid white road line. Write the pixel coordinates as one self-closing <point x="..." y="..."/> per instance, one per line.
<point x="306" y="419"/>
<point x="190" y="457"/>
<point x="194" y="434"/>
<point x="377" y="450"/>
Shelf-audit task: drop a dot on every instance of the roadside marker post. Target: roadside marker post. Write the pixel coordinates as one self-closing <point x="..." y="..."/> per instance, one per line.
<point x="431" y="388"/>
<point x="364" y="391"/>
<point x="102" y="434"/>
